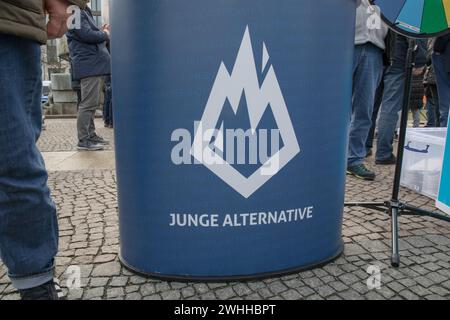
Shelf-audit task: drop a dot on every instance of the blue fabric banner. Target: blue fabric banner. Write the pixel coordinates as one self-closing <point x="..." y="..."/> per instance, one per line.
<point x="443" y="201"/>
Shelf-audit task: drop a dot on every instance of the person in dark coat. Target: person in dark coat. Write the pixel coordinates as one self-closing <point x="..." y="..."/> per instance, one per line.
<point x="90" y="63"/>
<point x="441" y="64"/>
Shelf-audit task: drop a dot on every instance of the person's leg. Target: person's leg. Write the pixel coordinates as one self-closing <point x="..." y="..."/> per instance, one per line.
<point x="90" y="89"/>
<point x="392" y="104"/>
<point x="28" y="222"/>
<point x="78" y="98"/>
<point x="107" y="104"/>
<point x="435" y="102"/>
<point x="366" y="81"/>
<point x="376" y="111"/>
<point x="443" y="85"/>
<point x="92" y="131"/>
<point x="430" y="109"/>
<point x="105" y="110"/>
<point x="416" y="117"/>
<point x="111" y="114"/>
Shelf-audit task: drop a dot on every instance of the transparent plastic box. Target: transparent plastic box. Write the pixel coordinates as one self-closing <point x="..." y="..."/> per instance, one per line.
<point x="423" y="160"/>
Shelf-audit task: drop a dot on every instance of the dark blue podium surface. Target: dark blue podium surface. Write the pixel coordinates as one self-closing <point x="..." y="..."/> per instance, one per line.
<point x="231" y="122"/>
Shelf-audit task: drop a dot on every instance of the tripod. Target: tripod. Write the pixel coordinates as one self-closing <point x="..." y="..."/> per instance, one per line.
<point x="395" y="207"/>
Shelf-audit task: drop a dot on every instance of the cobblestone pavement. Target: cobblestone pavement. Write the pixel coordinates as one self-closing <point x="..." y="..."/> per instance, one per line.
<point x="61" y="135"/>
<point x="87" y="206"/>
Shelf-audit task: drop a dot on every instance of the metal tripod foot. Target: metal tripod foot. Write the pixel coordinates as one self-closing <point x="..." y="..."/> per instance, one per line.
<point x="395" y="259"/>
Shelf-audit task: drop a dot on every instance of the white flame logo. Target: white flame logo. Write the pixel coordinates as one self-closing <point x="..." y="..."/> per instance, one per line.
<point x="244" y="80"/>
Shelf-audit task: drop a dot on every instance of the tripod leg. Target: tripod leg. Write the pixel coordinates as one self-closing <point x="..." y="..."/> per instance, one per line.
<point x="395" y="260"/>
<point x="395" y="207"/>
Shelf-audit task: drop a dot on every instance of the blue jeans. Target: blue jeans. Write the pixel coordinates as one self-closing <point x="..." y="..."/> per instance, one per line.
<point x="394" y="86"/>
<point x="28" y="222"/>
<point x="443" y="84"/>
<point x="376" y="111"/>
<point x="394" y="80"/>
<point x="367" y="74"/>
<point x="432" y="107"/>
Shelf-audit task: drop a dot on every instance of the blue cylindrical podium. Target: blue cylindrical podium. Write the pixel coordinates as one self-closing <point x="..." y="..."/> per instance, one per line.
<point x="231" y="126"/>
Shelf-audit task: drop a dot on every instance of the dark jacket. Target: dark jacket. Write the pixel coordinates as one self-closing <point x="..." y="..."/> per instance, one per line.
<point x="442" y="46"/>
<point x="26" y="18"/>
<point x="88" y="52"/>
<point x="399" y="52"/>
<point x="430" y="75"/>
<point x="390" y="44"/>
<point x="417" y="92"/>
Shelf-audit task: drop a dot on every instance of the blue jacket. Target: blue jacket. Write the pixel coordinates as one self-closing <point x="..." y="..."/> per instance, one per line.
<point x="87" y="45"/>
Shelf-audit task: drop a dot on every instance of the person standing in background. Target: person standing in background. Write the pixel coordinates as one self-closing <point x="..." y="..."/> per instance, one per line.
<point x="441" y="65"/>
<point x="28" y="221"/>
<point x="379" y="93"/>
<point x="394" y="87"/>
<point x="367" y="74"/>
<point x="90" y="63"/>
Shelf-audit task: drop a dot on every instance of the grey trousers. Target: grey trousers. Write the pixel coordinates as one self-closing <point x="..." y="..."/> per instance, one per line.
<point x="90" y="100"/>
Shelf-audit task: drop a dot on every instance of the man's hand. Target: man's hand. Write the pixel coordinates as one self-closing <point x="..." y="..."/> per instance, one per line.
<point x="58" y="16"/>
<point x="106" y="29"/>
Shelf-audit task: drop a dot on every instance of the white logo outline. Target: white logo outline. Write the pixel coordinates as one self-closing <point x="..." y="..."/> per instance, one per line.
<point x="231" y="87"/>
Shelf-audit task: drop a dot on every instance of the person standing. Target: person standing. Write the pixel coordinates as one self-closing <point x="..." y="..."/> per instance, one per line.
<point x="90" y="63"/>
<point x="441" y="65"/>
<point x="389" y="41"/>
<point x="367" y="74"/>
<point x="28" y="222"/>
<point x="394" y="83"/>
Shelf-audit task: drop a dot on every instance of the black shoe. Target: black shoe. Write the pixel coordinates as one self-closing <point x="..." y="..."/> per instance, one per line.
<point x="387" y="162"/>
<point x="361" y="172"/>
<point x="48" y="291"/>
<point x="99" y="140"/>
<point x="369" y="153"/>
<point x="89" y="146"/>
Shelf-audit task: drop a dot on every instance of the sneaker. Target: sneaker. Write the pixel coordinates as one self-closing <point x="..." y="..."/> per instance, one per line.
<point x="387" y="162"/>
<point x="89" y="146"/>
<point x="99" y="140"/>
<point x="48" y="291"/>
<point x="360" y="171"/>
